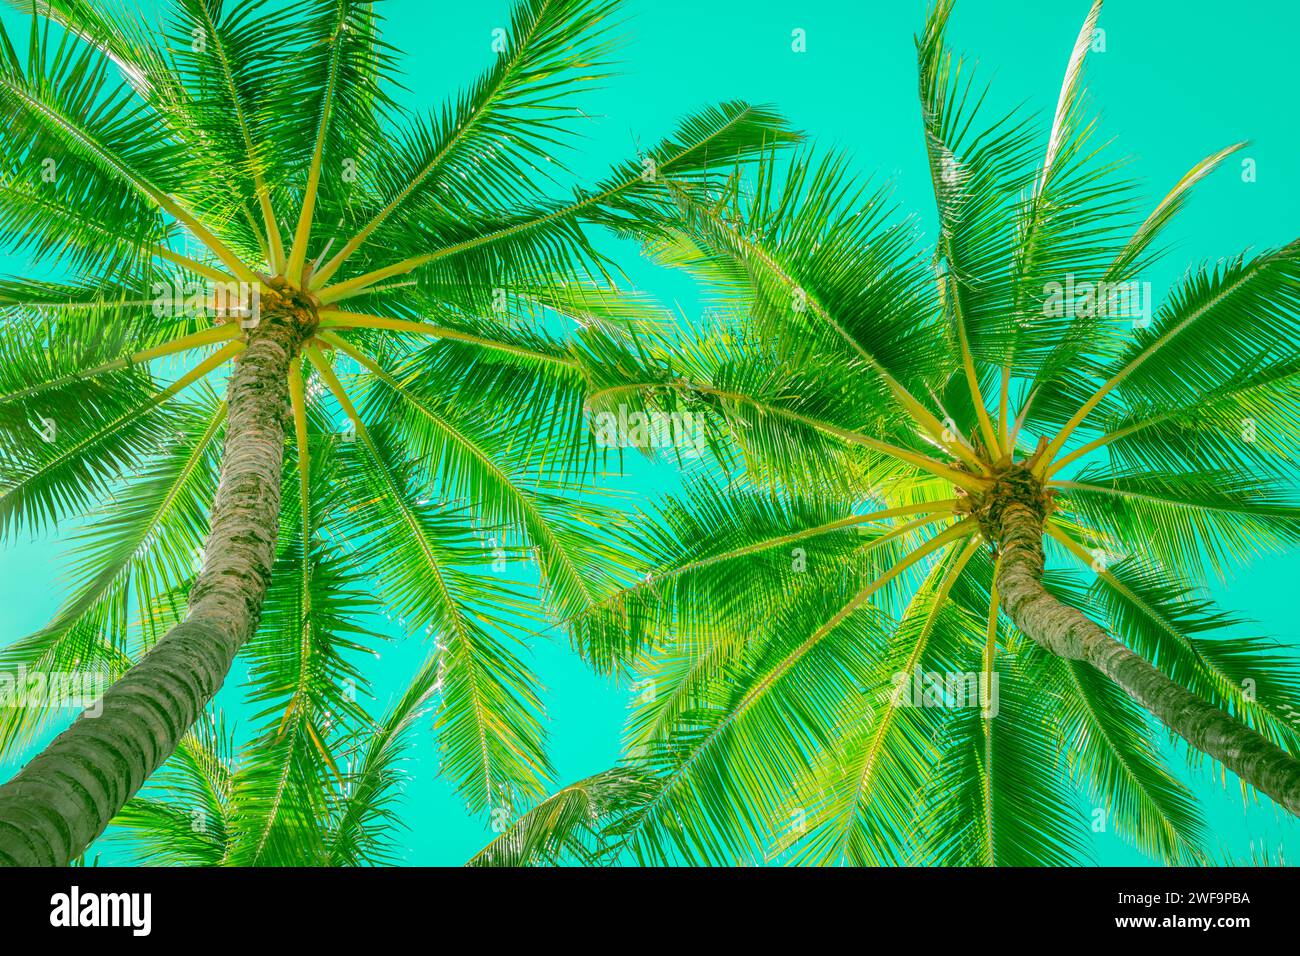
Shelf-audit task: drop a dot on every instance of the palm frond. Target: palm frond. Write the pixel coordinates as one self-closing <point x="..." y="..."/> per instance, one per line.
<point x="573" y="825"/>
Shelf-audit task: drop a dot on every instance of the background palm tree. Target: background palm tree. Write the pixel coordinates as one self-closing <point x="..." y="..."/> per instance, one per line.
<point x="920" y="430"/>
<point x="204" y="807"/>
<point x="195" y="810"/>
<point x="257" y="154"/>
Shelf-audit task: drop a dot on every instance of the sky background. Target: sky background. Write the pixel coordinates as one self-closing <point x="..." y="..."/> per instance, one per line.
<point x="1179" y="79"/>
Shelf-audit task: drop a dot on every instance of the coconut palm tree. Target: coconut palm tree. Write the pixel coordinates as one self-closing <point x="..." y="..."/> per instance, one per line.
<point x="202" y="807"/>
<point x="238" y="195"/>
<point x="959" y="573"/>
<point x="194" y="811"/>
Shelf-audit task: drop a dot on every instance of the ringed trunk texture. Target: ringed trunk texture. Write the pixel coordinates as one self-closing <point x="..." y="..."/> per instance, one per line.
<point x="1066" y="632"/>
<point x="66" y="795"/>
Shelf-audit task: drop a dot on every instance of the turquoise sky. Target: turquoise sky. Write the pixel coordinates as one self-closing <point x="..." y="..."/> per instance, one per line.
<point x="1179" y="79"/>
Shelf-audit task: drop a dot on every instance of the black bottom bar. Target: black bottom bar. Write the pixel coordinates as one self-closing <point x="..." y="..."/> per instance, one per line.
<point x="369" y="906"/>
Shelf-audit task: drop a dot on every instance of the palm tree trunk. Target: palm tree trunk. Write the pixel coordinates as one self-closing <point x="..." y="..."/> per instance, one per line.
<point x="66" y="795"/>
<point x="1066" y="632"/>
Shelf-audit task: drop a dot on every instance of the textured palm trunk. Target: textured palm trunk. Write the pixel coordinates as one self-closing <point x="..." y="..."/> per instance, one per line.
<point x="66" y="795"/>
<point x="1066" y="632"/>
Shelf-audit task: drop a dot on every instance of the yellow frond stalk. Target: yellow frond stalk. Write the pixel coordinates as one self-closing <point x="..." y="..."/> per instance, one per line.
<point x="336" y="319"/>
<point x="217" y="358"/>
<point x="326" y="372"/>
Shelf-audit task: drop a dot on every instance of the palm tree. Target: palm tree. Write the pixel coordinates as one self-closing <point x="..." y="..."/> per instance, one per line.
<point x="203" y="807"/>
<point x="252" y="165"/>
<point x="959" y="572"/>
<point x="195" y="811"/>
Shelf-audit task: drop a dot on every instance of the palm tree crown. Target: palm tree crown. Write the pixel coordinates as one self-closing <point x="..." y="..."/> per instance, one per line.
<point x="242" y="194"/>
<point x="855" y="648"/>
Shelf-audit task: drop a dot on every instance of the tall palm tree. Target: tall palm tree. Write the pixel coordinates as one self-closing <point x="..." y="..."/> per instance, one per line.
<point x="251" y="166"/>
<point x="855" y="649"/>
